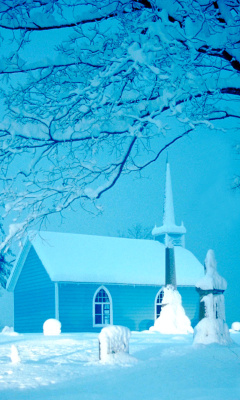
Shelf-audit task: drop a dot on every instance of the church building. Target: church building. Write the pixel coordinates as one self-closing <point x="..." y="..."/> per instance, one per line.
<point x="87" y="281"/>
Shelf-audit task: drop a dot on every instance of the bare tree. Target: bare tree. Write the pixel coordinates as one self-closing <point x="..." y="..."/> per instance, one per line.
<point x="93" y="108"/>
<point x="137" y="231"/>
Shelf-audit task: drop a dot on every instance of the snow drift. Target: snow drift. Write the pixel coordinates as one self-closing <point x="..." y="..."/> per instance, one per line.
<point x="172" y="319"/>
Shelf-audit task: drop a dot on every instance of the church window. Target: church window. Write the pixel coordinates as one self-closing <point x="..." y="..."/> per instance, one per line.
<point x="158" y="303"/>
<point x="102" y="307"/>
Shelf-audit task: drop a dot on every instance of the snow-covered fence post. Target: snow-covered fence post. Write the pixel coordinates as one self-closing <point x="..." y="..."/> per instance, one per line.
<point x="212" y="327"/>
<point x="113" y="339"/>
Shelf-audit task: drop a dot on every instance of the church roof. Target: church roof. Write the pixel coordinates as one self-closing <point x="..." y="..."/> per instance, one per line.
<point x="69" y="257"/>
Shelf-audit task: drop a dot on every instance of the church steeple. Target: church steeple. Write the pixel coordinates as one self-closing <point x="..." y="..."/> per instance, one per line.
<point x="168" y="210"/>
<point x="169" y="233"/>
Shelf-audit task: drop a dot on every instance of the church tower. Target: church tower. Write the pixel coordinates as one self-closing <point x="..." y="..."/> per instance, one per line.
<point x="169" y="233"/>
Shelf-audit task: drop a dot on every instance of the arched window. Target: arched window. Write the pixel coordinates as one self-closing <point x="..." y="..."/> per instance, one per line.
<point x="102" y="307"/>
<point x="158" y="303"/>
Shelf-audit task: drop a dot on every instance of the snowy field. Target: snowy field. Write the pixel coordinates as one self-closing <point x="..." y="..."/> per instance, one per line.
<point x="161" y="367"/>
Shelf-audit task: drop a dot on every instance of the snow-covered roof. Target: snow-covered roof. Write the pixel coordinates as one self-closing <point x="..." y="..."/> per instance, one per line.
<point x="71" y="257"/>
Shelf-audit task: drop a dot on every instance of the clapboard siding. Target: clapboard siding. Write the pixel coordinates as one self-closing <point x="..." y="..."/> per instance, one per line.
<point x="75" y="306"/>
<point x="34" y="296"/>
<point x="133" y="306"/>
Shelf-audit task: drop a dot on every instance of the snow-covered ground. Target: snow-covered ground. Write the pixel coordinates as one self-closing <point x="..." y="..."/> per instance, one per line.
<point x="165" y="367"/>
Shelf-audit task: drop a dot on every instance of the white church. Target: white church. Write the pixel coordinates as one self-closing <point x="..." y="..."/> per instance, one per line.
<point x="87" y="281"/>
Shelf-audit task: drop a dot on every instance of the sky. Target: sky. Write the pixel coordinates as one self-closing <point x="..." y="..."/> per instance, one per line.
<point x="203" y="167"/>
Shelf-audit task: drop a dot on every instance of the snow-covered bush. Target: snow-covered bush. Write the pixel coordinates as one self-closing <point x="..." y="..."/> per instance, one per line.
<point x="212" y="328"/>
<point x="235" y="326"/>
<point x="172" y="319"/>
<point x="52" y="327"/>
<point x="113" y="339"/>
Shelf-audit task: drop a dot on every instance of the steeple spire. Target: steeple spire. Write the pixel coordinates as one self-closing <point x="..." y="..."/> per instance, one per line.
<point x="169" y="233"/>
<point x="168" y="210"/>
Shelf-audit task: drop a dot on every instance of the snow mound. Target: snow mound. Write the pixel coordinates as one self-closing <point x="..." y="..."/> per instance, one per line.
<point x="14" y="355"/>
<point x="172" y="319"/>
<point x="9" y="331"/>
<point x="236" y="326"/>
<point x="210" y="330"/>
<point x="211" y="280"/>
<point x="52" y="327"/>
<point x="113" y="339"/>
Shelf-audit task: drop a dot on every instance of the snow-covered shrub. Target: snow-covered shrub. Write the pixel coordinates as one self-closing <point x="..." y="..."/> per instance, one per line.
<point x="172" y="319"/>
<point x="212" y="328"/>
<point x="113" y="339"/>
<point x="52" y="327"/>
<point x="236" y="326"/>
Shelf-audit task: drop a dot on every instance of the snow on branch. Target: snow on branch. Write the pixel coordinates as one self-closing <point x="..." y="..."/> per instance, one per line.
<point x="93" y="103"/>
